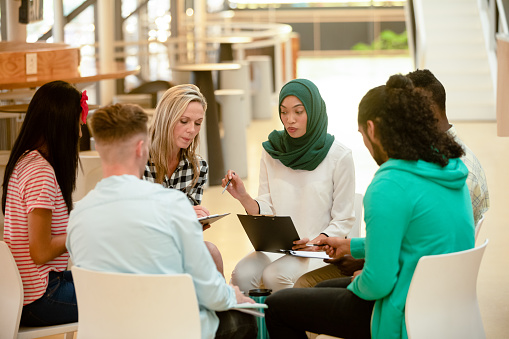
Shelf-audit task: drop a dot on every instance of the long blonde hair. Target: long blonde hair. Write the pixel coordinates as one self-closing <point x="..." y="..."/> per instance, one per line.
<point x="168" y="112"/>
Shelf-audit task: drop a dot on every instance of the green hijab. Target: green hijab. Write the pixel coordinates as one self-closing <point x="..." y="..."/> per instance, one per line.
<point x="307" y="151"/>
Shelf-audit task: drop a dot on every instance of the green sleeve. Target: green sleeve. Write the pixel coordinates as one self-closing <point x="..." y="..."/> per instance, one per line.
<point x="357" y="247"/>
<point x="387" y="214"/>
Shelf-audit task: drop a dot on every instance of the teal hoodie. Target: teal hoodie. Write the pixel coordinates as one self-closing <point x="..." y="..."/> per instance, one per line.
<point x="412" y="209"/>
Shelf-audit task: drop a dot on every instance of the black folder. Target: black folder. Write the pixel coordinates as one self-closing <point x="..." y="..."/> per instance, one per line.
<point x="269" y="233"/>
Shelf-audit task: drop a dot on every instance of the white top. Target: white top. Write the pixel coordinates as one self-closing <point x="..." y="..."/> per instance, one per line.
<point x="319" y="201"/>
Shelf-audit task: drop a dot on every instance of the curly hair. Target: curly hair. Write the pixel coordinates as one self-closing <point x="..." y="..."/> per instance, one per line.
<point x="423" y="78"/>
<point x="405" y="124"/>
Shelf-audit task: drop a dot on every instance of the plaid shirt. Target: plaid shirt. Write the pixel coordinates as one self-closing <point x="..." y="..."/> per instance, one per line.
<point x="476" y="180"/>
<point x="182" y="178"/>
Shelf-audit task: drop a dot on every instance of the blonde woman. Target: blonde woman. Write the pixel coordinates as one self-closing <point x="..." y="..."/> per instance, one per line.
<point x="174" y="137"/>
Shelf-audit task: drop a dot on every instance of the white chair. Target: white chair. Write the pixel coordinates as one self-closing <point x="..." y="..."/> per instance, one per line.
<point x="121" y="305"/>
<point x="4" y="158"/>
<point x="356" y="229"/>
<point x="478" y="226"/>
<point x="92" y="173"/>
<point x="442" y="299"/>
<point x="11" y="304"/>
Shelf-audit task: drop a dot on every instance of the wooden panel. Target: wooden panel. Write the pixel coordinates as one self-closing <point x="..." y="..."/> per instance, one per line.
<point x="503" y="86"/>
<point x="52" y="59"/>
<point x="12" y="65"/>
<point x="58" y="62"/>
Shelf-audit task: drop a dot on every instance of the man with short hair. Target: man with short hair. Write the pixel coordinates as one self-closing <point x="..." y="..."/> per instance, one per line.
<point x="476" y="181"/>
<point x="128" y="225"/>
<point x="416" y="205"/>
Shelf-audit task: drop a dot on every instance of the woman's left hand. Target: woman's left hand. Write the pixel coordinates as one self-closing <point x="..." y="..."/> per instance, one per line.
<point x="201" y="211"/>
<point x="302" y="244"/>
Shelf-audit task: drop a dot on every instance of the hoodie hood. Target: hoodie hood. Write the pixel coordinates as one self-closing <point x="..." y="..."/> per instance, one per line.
<point x="452" y="176"/>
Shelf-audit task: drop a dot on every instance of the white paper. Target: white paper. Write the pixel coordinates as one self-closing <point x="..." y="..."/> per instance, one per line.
<point x="310" y="254"/>
<point x="250" y="305"/>
<point x="250" y="308"/>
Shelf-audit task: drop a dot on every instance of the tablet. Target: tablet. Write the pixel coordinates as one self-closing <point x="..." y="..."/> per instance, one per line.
<point x="269" y="233"/>
<point x="211" y="218"/>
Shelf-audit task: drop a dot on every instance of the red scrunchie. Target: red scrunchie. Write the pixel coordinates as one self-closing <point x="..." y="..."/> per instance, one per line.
<point x="84" y="106"/>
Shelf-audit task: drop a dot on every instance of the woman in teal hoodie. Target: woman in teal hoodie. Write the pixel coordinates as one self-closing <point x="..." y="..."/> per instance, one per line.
<point x="417" y="204"/>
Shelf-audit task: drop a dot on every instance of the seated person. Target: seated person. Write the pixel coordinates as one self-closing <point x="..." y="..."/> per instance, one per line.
<point x="425" y="81"/>
<point x="129" y="225"/>
<point x="37" y="198"/>
<point x="174" y="139"/>
<point x="418" y="204"/>
<point x="304" y="173"/>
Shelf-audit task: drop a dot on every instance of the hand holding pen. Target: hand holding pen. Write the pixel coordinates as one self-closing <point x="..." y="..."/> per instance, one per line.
<point x="233" y="184"/>
<point x="228" y="183"/>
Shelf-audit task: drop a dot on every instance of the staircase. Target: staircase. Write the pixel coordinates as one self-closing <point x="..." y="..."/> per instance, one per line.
<point x="451" y="44"/>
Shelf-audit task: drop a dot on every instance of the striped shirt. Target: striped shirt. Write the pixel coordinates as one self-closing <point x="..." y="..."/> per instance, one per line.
<point x="476" y="180"/>
<point x="33" y="184"/>
<point x="182" y="179"/>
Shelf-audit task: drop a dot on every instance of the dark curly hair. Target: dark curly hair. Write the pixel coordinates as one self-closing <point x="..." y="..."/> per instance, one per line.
<point x="405" y="124"/>
<point x="423" y="78"/>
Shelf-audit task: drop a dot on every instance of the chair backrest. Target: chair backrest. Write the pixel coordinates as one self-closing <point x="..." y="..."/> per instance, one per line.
<point x="11" y="294"/>
<point x="442" y="299"/>
<point x="121" y="305"/>
<point x="4" y="158"/>
<point x="89" y="175"/>
<point x="152" y="88"/>
<point x="356" y="229"/>
<point x="478" y="226"/>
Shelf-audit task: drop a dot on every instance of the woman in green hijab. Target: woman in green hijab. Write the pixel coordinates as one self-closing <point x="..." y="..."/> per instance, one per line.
<point x="304" y="173"/>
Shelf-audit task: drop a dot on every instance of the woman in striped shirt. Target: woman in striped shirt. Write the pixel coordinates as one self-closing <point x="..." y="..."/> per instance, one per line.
<point x="39" y="179"/>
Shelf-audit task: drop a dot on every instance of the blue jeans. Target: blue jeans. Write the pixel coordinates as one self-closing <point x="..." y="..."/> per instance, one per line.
<point x="57" y="305"/>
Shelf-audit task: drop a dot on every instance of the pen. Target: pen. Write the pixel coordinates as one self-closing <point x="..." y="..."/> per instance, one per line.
<point x="315" y="245"/>
<point x="227" y="184"/>
<point x="195" y="202"/>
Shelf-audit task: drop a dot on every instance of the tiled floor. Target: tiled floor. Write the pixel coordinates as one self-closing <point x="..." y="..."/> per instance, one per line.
<point x="343" y="82"/>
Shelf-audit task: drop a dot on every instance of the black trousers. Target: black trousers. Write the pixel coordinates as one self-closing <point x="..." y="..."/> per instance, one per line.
<point x="236" y="325"/>
<point x="328" y="308"/>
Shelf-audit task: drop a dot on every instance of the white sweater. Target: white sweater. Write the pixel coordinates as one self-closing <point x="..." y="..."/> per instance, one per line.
<point x="318" y="201"/>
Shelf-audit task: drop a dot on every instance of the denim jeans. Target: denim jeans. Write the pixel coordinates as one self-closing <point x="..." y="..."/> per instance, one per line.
<point x="57" y="305"/>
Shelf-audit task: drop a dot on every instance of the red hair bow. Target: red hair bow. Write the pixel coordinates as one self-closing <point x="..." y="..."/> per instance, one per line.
<point x="84" y="106"/>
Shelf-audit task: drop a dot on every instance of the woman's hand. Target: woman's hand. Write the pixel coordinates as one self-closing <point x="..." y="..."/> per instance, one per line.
<point x="301" y="245"/>
<point x="237" y="190"/>
<point x="236" y="187"/>
<point x="335" y="247"/>
<point x="201" y="211"/>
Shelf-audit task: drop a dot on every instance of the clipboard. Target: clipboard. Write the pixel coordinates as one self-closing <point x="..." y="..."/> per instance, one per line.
<point x="269" y="233"/>
<point x="211" y="218"/>
<point x="276" y="234"/>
